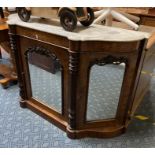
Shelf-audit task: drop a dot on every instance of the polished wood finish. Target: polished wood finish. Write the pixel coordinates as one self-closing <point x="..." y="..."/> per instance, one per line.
<point x="76" y="58"/>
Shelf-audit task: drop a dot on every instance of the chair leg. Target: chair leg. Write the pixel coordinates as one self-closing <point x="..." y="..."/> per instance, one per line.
<point x="0" y="53"/>
<point x="1" y="12"/>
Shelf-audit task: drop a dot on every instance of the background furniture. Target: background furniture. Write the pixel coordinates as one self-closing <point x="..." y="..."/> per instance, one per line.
<point x="1" y="12"/>
<point x="7" y="71"/>
<point x="108" y="14"/>
<point x="79" y="54"/>
<point x="147" y="15"/>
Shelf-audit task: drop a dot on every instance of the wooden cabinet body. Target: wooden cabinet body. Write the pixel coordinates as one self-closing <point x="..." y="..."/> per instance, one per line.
<point x="77" y="56"/>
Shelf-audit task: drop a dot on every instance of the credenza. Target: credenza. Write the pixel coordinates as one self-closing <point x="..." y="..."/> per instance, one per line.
<point x="102" y="78"/>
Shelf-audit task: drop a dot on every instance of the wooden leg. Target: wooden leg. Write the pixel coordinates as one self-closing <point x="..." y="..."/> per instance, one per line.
<point x="8" y="77"/>
<point x="0" y="53"/>
<point x="5" y="83"/>
<point x="1" y="12"/>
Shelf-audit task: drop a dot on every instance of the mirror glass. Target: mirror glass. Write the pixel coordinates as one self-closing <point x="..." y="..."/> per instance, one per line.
<point x="104" y="90"/>
<point x="46" y="80"/>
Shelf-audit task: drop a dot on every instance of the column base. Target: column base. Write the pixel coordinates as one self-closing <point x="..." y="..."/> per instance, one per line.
<point x="23" y="104"/>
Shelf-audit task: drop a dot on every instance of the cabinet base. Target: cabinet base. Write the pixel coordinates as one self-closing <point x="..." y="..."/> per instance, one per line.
<point x="96" y="132"/>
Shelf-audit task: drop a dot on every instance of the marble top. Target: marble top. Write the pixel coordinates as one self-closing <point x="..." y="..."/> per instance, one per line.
<point x="92" y="33"/>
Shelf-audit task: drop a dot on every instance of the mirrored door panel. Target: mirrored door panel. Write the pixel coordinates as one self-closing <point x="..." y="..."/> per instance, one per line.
<point x="104" y="90"/>
<point x="46" y="78"/>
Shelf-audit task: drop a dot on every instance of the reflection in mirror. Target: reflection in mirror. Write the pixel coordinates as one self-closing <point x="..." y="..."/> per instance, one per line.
<point x="104" y="90"/>
<point x="45" y="76"/>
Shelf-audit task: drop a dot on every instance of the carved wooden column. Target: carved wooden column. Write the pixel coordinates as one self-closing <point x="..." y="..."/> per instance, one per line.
<point x="13" y="42"/>
<point x="73" y="73"/>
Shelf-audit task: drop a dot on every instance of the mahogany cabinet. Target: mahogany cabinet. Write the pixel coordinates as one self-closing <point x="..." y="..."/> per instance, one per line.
<point x="72" y="98"/>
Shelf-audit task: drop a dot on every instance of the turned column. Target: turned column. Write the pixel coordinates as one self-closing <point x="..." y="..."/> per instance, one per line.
<point x="13" y="42"/>
<point x="73" y="73"/>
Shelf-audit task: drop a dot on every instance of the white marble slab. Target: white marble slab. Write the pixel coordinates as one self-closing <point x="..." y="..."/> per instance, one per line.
<point x="92" y="33"/>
